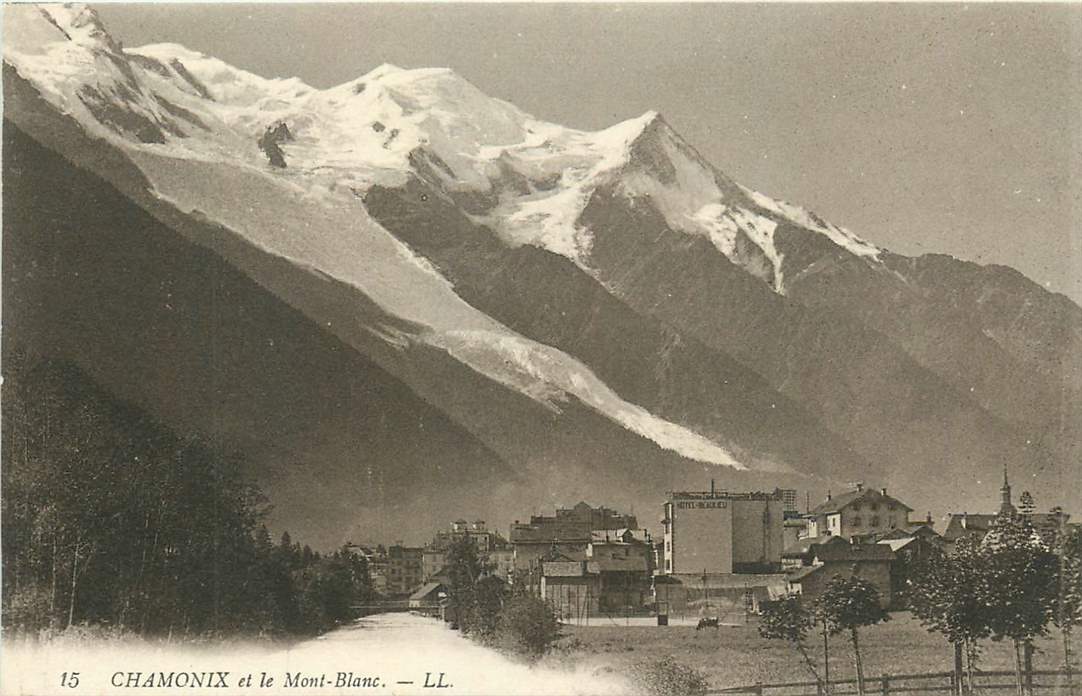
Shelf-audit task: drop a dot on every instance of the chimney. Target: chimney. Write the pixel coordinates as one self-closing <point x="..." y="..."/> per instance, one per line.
<point x="828" y="494"/>
<point x="928" y="519"/>
<point x="860" y="486"/>
<point x="883" y="491"/>
<point x="711" y="486"/>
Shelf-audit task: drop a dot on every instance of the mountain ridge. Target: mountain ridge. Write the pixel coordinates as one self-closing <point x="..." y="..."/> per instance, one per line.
<point x="615" y="275"/>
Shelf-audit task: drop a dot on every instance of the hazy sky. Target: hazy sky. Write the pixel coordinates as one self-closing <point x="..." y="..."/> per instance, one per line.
<point x="921" y="127"/>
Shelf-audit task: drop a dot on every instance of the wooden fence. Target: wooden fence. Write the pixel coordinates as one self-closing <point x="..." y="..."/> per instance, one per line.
<point x="1051" y="682"/>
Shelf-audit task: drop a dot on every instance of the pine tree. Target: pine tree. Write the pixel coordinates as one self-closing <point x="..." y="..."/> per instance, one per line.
<point x="464" y="568"/>
<point x="263" y="542"/>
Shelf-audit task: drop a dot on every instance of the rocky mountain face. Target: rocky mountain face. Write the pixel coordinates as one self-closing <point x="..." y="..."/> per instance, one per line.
<point x="443" y="306"/>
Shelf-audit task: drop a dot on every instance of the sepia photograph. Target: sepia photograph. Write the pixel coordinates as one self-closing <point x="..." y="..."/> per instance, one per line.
<point x="541" y="349"/>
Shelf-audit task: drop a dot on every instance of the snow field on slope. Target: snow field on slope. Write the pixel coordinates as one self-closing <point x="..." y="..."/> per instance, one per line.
<point x="840" y="236"/>
<point x="362" y="132"/>
<point x="340" y="240"/>
<point x="522" y="363"/>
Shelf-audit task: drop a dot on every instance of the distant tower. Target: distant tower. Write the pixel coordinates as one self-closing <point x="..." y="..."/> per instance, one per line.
<point x="1006" y="507"/>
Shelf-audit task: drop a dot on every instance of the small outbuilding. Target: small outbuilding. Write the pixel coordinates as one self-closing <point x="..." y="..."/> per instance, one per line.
<point x="428" y="596"/>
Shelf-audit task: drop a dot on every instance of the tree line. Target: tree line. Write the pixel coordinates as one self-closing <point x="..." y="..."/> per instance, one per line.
<point x="846" y="605"/>
<point x="111" y="519"/>
<point x="1012" y="585"/>
<point x="486" y="608"/>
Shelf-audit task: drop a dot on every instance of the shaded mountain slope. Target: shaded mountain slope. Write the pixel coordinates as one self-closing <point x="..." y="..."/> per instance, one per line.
<point x="343" y="448"/>
<point x="90" y="278"/>
<point x="598" y="311"/>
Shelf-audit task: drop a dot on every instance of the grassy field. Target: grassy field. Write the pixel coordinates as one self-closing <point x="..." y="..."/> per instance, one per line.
<point x="735" y="656"/>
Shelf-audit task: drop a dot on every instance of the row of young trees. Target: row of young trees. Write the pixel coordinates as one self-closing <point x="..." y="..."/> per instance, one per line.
<point x="846" y="605"/>
<point x="1011" y="586"/>
<point x="486" y="608"/>
<point x="111" y="519"/>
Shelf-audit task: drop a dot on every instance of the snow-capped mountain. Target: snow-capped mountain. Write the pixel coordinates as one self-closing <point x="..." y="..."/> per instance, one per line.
<point x="594" y="314"/>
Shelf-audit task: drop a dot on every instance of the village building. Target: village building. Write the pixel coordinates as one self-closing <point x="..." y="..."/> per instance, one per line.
<point x="579" y="589"/>
<point x="722" y="553"/>
<point x="568" y="531"/>
<point x="965" y="524"/>
<point x="959" y="525"/>
<point x="501" y="560"/>
<point x="865" y="533"/>
<point x="433" y="561"/>
<point x="477" y="532"/>
<point x="794" y="527"/>
<point x="573" y="593"/>
<point x="590" y="517"/>
<point x="721" y="532"/>
<point x="729" y="597"/>
<point x="430" y="598"/>
<point x="531" y="543"/>
<point x="405" y="572"/>
<point x="858" y="513"/>
<point x="788" y="502"/>
<point x="801" y="553"/>
<point x="610" y="576"/>
<point x="869" y="561"/>
<point x="493" y="549"/>
<point x="910" y="550"/>
<point x="375" y="558"/>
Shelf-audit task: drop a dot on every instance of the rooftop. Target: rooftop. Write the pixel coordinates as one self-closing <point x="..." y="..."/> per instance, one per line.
<point x="834" y="553"/>
<point x="548" y="533"/>
<point x="801" y="573"/>
<point x="720" y="581"/>
<point x="803" y="546"/>
<point x="961" y="524"/>
<point x="897" y="544"/>
<point x="426" y="589"/>
<point x="723" y="495"/>
<point x="861" y="495"/>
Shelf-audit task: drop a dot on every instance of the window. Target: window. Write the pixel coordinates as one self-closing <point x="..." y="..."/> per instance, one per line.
<point x="857" y="521"/>
<point x="875" y="521"/>
<point x="874" y="506"/>
<point x="856" y="507"/>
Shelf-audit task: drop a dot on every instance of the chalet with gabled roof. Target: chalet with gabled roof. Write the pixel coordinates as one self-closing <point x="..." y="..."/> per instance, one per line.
<point x="858" y="513"/>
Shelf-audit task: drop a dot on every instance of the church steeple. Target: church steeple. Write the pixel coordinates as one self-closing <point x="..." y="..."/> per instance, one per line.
<point x="1006" y="507"/>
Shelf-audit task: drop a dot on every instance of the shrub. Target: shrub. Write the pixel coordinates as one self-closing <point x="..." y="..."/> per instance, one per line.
<point x="528" y="627"/>
<point x="667" y="677"/>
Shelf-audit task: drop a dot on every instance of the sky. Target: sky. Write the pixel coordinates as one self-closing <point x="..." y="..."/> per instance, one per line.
<point x="921" y="127"/>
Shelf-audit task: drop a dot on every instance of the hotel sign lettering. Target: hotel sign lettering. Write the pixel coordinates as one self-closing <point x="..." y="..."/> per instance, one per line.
<point x="701" y="504"/>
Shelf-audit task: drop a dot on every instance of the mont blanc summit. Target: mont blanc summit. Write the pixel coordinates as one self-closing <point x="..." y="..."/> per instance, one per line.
<point x="401" y="287"/>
